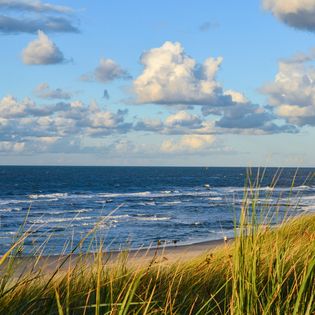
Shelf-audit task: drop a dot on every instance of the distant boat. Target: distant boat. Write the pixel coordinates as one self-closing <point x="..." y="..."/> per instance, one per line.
<point x="207" y="186"/>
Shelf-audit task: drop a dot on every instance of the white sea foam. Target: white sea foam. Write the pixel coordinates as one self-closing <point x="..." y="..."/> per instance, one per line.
<point x="58" y="220"/>
<point x="153" y="218"/>
<point x="12" y="201"/>
<point x="10" y="233"/>
<point x="115" y="195"/>
<point x="309" y="208"/>
<point x="147" y="203"/>
<point x="215" y="198"/>
<point x="169" y="203"/>
<point x="80" y="210"/>
<point x="114" y="217"/>
<point x="307" y="199"/>
<point x="45" y="196"/>
<point x="138" y="217"/>
<point x="303" y="187"/>
<point x="10" y="209"/>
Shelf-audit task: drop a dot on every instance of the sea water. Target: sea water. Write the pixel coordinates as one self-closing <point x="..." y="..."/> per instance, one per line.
<point x="135" y="206"/>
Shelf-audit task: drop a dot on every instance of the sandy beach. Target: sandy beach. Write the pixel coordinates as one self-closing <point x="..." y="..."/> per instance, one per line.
<point x="161" y="254"/>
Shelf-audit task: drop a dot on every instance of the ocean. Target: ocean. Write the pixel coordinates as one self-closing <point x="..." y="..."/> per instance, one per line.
<point x="133" y="206"/>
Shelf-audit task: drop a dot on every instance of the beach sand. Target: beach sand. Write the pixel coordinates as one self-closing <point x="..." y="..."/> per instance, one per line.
<point x="145" y="256"/>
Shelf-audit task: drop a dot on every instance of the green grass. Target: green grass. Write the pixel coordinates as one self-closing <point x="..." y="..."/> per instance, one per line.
<point x="264" y="271"/>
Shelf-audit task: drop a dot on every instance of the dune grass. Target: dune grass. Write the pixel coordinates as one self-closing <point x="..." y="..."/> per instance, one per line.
<point x="263" y="271"/>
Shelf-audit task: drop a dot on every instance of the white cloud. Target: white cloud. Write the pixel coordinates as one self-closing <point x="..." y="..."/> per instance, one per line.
<point x="237" y="97"/>
<point x="107" y="70"/>
<point x="191" y="143"/>
<point x="12" y="25"/>
<point x="42" y="51"/>
<point x="180" y="123"/>
<point x="53" y="125"/>
<point x="33" y="6"/>
<point x="170" y="76"/>
<point x="29" y="16"/>
<point x="292" y="93"/>
<point x="10" y="107"/>
<point x="296" y="13"/>
<point x="183" y="119"/>
<point x="44" y="91"/>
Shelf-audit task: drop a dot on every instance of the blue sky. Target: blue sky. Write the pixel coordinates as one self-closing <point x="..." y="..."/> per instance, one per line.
<point x="215" y="83"/>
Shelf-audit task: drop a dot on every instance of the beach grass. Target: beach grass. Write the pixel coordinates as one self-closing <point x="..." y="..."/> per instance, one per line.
<point x="265" y="270"/>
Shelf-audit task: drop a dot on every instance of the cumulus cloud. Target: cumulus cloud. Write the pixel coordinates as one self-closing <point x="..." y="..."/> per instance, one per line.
<point x="107" y="70"/>
<point x="182" y="119"/>
<point x="296" y="13"/>
<point x="180" y="123"/>
<point x="44" y="91"/>
<point x="246" y="118"/>
<point x="292" y="93"/>
<point x="42" y="51"/>
<point x="190" y="143"/>
<point x="52" y="125"/>
<point x="251" y="119"/>
<point x="170" y="76"/>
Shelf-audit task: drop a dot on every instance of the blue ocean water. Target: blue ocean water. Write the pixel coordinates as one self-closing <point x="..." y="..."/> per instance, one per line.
<point x="137" y="206"/>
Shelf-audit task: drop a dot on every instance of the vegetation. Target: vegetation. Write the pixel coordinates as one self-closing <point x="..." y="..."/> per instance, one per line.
<point x="263" y="271"/>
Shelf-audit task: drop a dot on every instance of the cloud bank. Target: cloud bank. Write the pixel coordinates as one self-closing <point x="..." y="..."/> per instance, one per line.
<point x="27" y="122"/>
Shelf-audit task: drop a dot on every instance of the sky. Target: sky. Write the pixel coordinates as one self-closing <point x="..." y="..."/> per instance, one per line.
<point x="170" y="83"/>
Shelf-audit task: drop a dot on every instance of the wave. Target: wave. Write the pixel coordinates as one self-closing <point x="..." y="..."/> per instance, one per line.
<point x="215" y="198"/>
<point x="136" y="217"/>
<point x="167" y="192"/>
<point x="147" y="203"/>
<point x="58" y="220"/>
<point x="12" y="201"/>
<point x="303" y="187"/>
<point x="45" y="196"/>
<point x="151" y="218"/>
<point x="169" y="203"/>
<point x="114" y="217"/>
<point x="79" y="210"/>
<point x="10" y="209"/>
<point x="309" y="208"/>
<point x="115" y="195"/>
<point x="197" y="192"/>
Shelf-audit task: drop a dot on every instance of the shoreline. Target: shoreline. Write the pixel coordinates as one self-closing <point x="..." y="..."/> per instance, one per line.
<point x="141" y="256"/>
